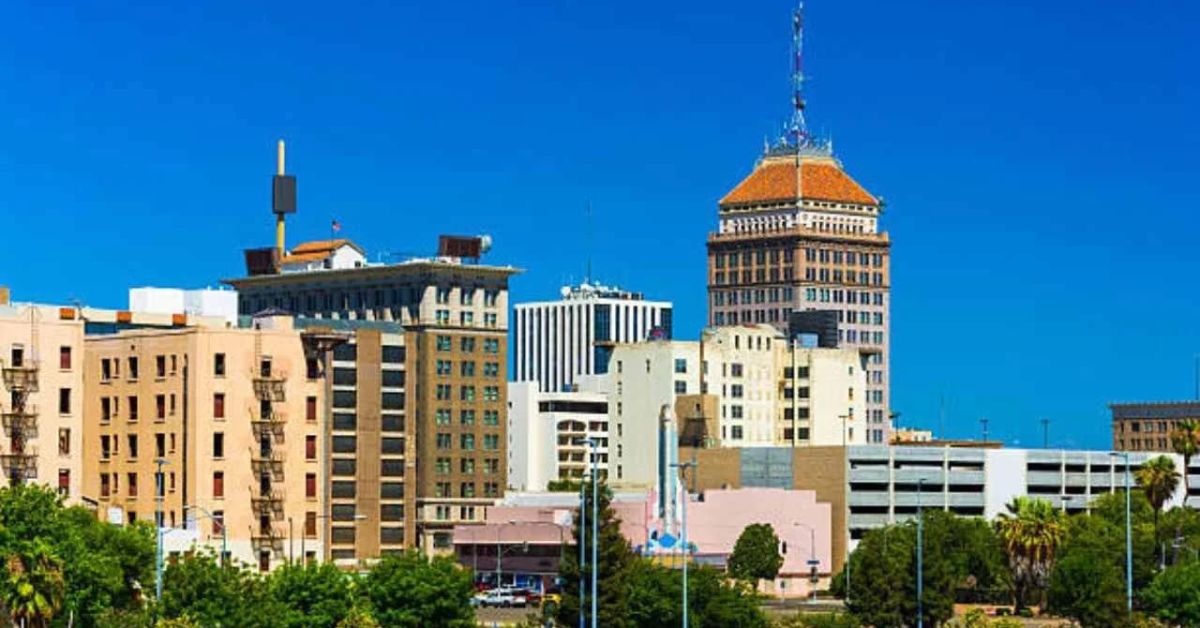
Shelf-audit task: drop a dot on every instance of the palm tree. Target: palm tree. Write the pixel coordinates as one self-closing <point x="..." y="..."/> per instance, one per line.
<point x="1158" y="479"/>
<point x="34" y="587"/>
<point x="1185" y="440"/>
<point x="1031" y="532"/>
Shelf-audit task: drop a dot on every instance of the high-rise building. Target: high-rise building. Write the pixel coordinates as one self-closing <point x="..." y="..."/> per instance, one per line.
<point x="418" y="394"/>
<point x="546" y="433"/>
<point x="216" y="427"/>
<point x="798" y="233"/>
<point x="554" y="342"/>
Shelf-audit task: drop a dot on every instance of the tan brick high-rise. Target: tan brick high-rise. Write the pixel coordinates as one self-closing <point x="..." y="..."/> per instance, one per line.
<point x="798" y="234"/>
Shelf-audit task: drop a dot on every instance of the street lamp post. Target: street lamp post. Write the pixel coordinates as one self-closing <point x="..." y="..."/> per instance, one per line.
<point x="210" y="517"/>
<point x="812" y="557"/>
<point x="582" y="548"/>
<point x="159" y="493"/>
<point x="920" y="557"/>
<point x="683" y="467"/>
<point x="595" y="463"/>
<point x="1128" y="536"/>
<point x="846" y="494"/>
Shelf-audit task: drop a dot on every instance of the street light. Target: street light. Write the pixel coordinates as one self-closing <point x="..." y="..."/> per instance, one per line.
<point x="592" y="443"/>
<point x="846" y="493"/>
<point x="920" y="558"/>
<point x="210" y="517"/>
<point x="160" y="492"/>
<point x="683" y="467"/>
<point x="812" y="557"/>
<point x="1128" y="536"/>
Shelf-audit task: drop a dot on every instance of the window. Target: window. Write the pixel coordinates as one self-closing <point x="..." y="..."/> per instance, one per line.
<point x="218" y="445"/>
<point x="491" y="466"/>
<point x="466" y="393"/>
<point x="219" y="364"/>
<point x="491" y="417"/>
<point x="443" y="343"/>
<point x="310" y="447"/>
<point x="491" y="442"/>
<point x="467" y="465"/>
<point x="310" y="409"/>
<point x="443" y="392"/>
<point x="105" y="489"/>
<point x="160" y="407"/>
<point x="442" y="416"/>
<point x="133" y="368"/>
<point x="344" y="444"/>
<point x="491" y="369"/>
<point x="64" y="401"/>
<point x="443" y="317"/>
<point x="105" y="409"/>
<point x="310" y="485"/>
<point x="64" y="441"/>
<point x="491" y="393"/>
<point x="466" y="417"/>
<point x="467" y="368"/>
<point x="160" y="366"/>
<point x="466" y="319"/>
<point x="735" y="370"/>
<point x="218" y="489"/>
<point x="133" y="445"/>
<point x="491" y="345"/>
<point x="442" y="466"/>
<point x="736" y="391"/>
<point x="310" y="524"/>
<point x="105" y="370"/>
<point x="105" y="449"/>
<point x="467" y="345"/>
<point x="467" y="442"/>
<point x="64" y="481"/>
<point x="467" y="489"/>
<point x="680" y="387"/>
<point x="160" y="445"/>
<point x="131" y="484"/>
<point x="218" y="405"/>
<point x="680" y="365"/>
<point x="64" y="358"/>
<point x="444" y="441"/>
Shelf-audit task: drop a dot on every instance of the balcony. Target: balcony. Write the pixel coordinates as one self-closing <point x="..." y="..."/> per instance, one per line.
<point x="23" y="378"/>
<point x="268" y="538"/>
<point x="269" y="384"/>
<point x="271" y="425"/>
<point x="20" y="423"/>
<point x="19" y="465"/>
<point x="269" y="462"/>
<point x="269" y="503"/>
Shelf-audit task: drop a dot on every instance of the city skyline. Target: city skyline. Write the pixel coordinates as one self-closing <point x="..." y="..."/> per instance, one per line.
<point x="181" y="160"/>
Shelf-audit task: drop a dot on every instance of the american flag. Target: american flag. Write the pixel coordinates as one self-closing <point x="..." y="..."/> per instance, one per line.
<point x="335" y="226"/>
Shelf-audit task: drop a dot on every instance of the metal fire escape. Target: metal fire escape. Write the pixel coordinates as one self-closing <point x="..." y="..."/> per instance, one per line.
<point x="20" y="418"/>
<point x="267" y="459"/>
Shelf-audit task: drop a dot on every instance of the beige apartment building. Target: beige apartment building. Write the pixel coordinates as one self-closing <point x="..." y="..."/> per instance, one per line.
<point x="232" y="418"/>
<point x="41" y="359"/>
<point x="419" y="438"/>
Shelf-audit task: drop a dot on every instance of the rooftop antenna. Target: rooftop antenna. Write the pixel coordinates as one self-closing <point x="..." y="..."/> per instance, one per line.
<point x="798" y="128"/>
<point x="283" y="198"/>
<point x="984" y="422"/>
<point x="587" y="277"/>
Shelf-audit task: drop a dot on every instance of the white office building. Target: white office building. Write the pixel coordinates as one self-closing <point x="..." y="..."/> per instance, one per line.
<point x="546" y="430"/>
<point x="554" y="342"/>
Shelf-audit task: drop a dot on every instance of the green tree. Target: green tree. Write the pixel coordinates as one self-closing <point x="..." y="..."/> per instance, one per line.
<point x="411" y="590"/>
<point x="654" y="594"/>
<point x="1158" y="480"/>
<point x="1031" y="532"/>
<point x="615" y="558"/>
<point x="1174" y="595"/>
<point x="756" y="554"/>
<point x="1185" y="441"/>
<point x="33" y="585"/>
<point x="317" y="595"/>
<point x="198" y="587"/>
<point x="1110" y="508"/>
<point x="1086" y="586"/>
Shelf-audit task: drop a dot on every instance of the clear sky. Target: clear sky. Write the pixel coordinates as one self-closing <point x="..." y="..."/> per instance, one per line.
<point x="1038" y="160"/>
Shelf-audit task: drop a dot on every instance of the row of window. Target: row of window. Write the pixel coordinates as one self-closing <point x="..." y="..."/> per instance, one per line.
<point x="466" y="319"/>
<point x="466" y="368"/>
<point x="823" y="275"/>
<point x="444" y="392"/>
<point x="827" y="295"/>
<point x="164" y="406"/>
<point x="466" y="296"/>
<point x="466" y="442"/>
<point x="466" y="344"/>
<point x="466" y="489"/>
<point x="466" y="417"/>
<point x="774" y="256"/>
<point x="443" y="466"/>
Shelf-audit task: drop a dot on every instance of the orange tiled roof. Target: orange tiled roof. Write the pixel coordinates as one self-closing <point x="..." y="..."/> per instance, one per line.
<point x="315" y="250"/>
<point x="777" y="182"/>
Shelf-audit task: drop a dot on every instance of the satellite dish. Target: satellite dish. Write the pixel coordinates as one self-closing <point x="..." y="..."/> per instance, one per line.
<point x="564" y="291"/>
<point x="485" y="244"/>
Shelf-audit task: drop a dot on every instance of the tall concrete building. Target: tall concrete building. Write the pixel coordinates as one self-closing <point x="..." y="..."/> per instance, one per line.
<point x="418" y="394"/>
<point x="546" y="430"/>
<point x="799" y="233"/>
<point x="218" y="428"/>
<point x="554" y="342"/>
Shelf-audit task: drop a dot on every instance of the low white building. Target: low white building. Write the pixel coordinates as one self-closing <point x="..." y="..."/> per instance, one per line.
<point x="202" y="302"/>
<point x="545" y="431"/>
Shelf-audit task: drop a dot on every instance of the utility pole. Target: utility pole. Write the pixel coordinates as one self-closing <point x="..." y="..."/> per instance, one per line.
<point x="582" y="548"/>
<point x="846" y="492"/>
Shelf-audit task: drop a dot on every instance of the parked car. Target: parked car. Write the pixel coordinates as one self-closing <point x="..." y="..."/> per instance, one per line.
<point x="501" y="598"/>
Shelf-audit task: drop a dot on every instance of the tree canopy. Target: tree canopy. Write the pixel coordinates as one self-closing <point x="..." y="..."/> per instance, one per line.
<point x="756" y="554"/>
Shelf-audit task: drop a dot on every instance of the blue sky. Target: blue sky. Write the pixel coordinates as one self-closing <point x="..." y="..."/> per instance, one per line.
<point x="1038" y="160"/>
